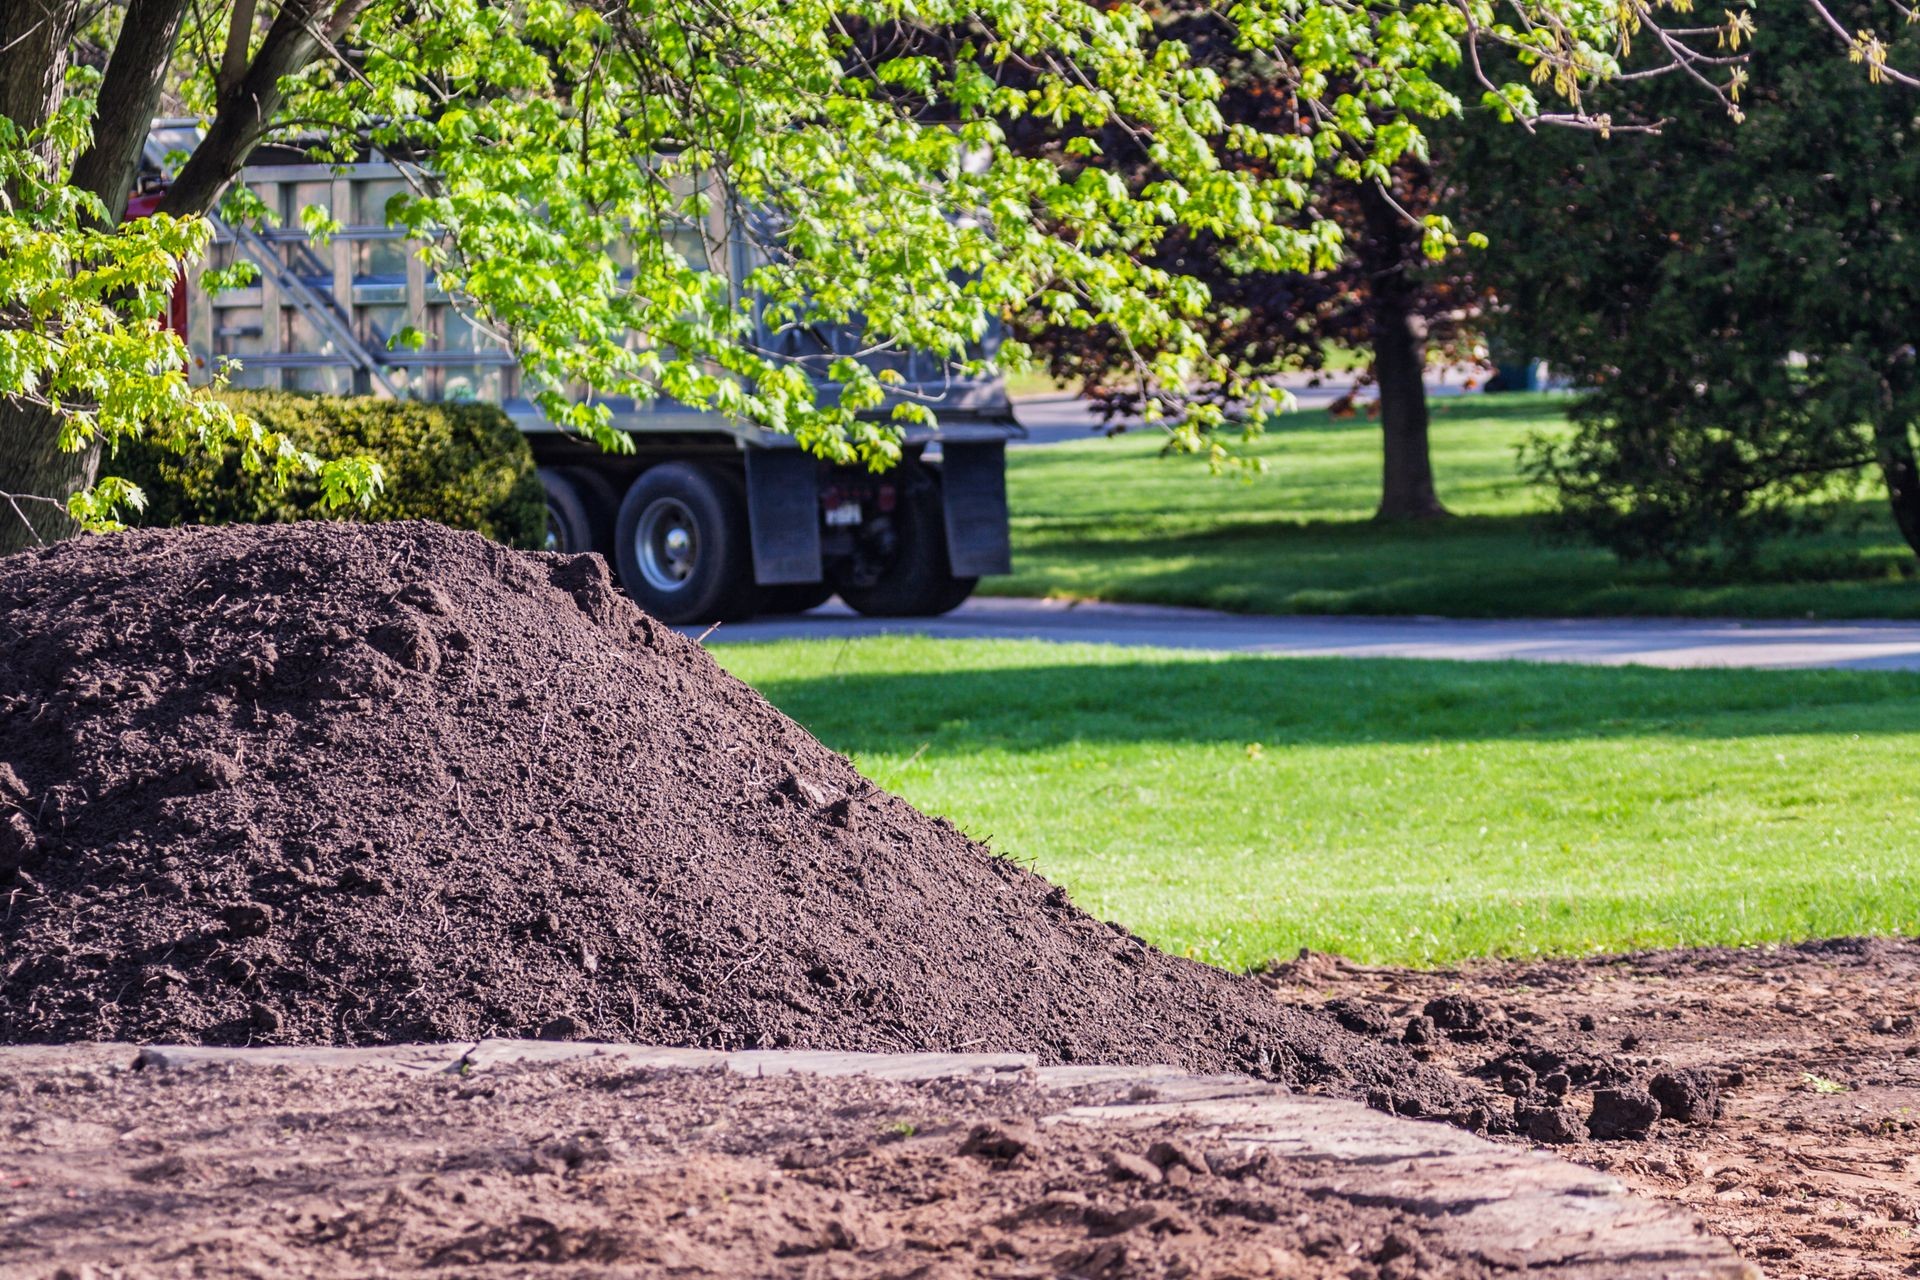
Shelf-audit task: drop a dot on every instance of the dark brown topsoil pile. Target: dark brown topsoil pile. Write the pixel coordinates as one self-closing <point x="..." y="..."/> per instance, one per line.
<point x="346" y="784"/>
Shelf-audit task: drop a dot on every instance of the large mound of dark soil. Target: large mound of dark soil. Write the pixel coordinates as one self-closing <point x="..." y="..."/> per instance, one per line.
<point x="354" y="784"/>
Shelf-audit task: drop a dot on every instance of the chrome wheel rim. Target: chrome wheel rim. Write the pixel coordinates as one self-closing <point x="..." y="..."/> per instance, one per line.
<point x="666" y="542"/>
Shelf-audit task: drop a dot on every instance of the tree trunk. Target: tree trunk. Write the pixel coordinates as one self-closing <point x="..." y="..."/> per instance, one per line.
<point x="33" y="58"/>
<point x="129" y="96"/>
<point x="1406" y="480"/>
<point x="37" y="477"/>
<point x="1399" y="362"/>
<point x="1894" y="444"/>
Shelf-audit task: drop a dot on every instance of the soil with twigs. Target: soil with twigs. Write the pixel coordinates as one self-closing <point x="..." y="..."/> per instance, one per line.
<point x="359" y="784"/>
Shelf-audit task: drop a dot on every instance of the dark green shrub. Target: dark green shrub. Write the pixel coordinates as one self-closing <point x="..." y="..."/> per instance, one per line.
<point x="464" y="465"/>
<point x="1734" y="302"/>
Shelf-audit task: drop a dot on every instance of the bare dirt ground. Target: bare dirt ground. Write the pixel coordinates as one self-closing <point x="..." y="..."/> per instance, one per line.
<point x="1812" y="1169"/>
<point x="107" y="1172"/>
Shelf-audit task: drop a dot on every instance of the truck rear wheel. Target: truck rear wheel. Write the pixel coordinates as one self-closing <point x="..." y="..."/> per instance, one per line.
<point x="794" y="597"/>
<point x="569" y="523"/>
<point x="950" y="595"/>
<point x="602" y="503"/>
<point x="906" y="574"/>
<point x="683" y="547"/>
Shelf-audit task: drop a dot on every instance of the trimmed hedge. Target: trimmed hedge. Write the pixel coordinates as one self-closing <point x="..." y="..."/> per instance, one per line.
<point x="464" y="465"/>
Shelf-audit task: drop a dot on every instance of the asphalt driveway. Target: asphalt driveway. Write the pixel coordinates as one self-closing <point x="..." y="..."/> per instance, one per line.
<point x="1600" y="642"/>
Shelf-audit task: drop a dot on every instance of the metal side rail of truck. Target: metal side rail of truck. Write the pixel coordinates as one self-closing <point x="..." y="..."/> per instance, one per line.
<point x="707" y="519"/>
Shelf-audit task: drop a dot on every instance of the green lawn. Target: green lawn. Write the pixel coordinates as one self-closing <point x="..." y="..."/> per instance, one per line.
<point x="1107" y="519"/>
<point x="1237" y="808"/>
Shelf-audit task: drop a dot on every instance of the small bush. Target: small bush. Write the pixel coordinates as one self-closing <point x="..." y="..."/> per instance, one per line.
<point x="464" y="465"/>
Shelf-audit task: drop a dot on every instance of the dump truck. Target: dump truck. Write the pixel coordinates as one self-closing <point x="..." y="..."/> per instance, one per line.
<point x="707" y="519"/>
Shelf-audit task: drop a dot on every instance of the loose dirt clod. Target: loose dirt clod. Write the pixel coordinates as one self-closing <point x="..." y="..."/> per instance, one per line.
<point x="1691" y="1096"/>
<point x="1552" y="1124"/>
<point x="348" y="784"/>
<point x="1622" y="1113"/>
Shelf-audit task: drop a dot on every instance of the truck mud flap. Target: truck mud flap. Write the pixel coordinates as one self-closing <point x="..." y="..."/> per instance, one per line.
<point x="974" y="476"/>
<point x="783" y="512"/>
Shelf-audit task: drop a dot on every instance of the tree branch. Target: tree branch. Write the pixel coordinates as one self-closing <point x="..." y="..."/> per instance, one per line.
<point x="130" y="92"/>
<point x="14" y="500"/>
<point x="246" y="112"/>
<point x="233" y="60"/>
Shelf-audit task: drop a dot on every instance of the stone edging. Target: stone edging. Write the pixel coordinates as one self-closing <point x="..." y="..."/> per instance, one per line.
<point x="1513" y="1207"/>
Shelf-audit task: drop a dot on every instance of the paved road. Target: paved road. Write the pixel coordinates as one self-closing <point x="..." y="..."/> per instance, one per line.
<point x="1602" y="642"/>
<point x="1061" y="416"/>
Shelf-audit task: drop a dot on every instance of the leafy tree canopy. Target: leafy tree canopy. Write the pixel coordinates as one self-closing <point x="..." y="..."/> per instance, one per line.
<point x="1381" y="298"/>
<point x="873" y="176"/>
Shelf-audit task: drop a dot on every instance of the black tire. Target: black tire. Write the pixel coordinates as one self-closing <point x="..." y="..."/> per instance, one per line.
<point x="601" y="498"/>
<point x="794" y="597"/>
<point x="912" y="577"/>
<point x="682" y="545"/>
<point x="950" y="596"/>
<point x="569" y="523"/>
<point x="951" y="592"/>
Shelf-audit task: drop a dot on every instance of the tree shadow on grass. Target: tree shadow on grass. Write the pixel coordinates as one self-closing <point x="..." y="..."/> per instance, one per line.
<point x="1311" y="701"/>
<point x="1469" y="567"/>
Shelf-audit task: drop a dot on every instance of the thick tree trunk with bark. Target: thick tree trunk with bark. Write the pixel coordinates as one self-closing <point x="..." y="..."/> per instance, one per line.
<point x="1406" y="481"/>
<point x="33" y="58"/>
<point x="37" y="477"/>
<point x="1901" y="469"/>
<point x="1399" y="363"/>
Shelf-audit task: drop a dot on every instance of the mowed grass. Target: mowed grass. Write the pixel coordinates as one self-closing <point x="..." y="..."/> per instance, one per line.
<point x="1108" y="519"/>
<point x="1238" y="808"/>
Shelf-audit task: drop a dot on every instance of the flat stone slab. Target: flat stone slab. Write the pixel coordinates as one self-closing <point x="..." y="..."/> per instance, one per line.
<point x="1511" y="1206"/>
<point x="496" y="1053"/>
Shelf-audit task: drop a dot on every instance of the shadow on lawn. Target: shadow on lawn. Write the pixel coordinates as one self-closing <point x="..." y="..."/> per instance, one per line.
<point x="1302" y="701"/>
<point x="1467" y="567"/>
